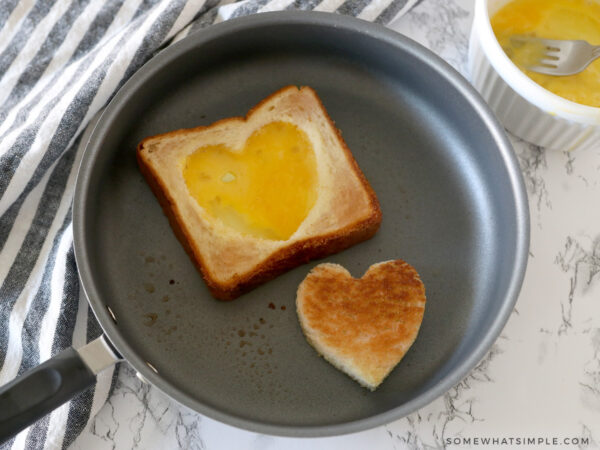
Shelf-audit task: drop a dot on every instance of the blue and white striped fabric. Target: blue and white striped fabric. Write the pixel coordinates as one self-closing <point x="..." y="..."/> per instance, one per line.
<point x="61" y="61"/>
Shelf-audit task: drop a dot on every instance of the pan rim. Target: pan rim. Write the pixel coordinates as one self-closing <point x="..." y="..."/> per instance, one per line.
<point x="348" y="24"/>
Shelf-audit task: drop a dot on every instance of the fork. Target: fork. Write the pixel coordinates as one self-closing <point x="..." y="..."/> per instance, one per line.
<point x="560" y="57"/>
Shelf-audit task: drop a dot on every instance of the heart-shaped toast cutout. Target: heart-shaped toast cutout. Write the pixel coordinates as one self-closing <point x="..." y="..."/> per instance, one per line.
<point x="365" y="326"/>
<point x="265" y="189"/>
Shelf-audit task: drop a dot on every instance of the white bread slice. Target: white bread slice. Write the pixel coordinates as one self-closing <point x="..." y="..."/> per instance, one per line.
<point x="365" y="326"/>
<point x="345" y="212"/>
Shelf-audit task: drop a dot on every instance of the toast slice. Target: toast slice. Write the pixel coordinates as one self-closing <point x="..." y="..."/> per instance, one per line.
<point x="251" y="197"/>
<point x="365" y="326"/>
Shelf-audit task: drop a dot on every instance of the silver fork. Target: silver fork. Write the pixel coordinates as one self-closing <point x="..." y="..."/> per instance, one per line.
<point x="560" y="57"/>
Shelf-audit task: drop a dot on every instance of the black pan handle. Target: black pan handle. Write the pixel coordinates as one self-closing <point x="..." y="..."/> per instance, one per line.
<point x="44" y="388"/>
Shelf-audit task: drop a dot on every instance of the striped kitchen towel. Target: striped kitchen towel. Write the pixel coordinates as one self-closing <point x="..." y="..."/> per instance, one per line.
<point x="60" y="63"/>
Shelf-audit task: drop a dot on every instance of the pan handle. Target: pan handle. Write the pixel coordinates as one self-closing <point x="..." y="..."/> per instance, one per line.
<point x="44" y="388"/>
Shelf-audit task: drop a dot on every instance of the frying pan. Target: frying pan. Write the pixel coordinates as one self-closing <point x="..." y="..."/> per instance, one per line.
<point x="453" y="204"/>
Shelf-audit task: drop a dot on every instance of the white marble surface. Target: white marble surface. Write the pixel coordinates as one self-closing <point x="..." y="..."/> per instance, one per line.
<point x="541" y="379"/>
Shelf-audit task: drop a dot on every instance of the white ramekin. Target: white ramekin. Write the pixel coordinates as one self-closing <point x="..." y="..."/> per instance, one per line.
<point x="525" y="108"/>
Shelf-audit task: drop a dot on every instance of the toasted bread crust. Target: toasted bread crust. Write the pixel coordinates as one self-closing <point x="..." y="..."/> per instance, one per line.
<point x="282" y="260"/>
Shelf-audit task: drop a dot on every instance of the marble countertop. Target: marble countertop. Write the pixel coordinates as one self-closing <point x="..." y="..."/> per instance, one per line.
<point x="541" y="379"/>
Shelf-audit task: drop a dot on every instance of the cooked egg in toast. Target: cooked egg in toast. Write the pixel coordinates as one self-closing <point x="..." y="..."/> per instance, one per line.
<point x="252" y="197"/>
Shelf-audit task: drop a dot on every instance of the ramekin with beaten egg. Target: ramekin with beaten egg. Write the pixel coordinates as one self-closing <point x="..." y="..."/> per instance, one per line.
<point x="556" y="112"/>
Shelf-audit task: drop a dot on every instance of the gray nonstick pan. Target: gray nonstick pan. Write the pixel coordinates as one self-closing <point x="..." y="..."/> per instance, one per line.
<point x="453" y="203"/>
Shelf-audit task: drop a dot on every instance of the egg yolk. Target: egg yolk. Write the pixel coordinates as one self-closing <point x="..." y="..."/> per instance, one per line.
<point x="552" y="19"/>
<point x="265" y="189"/>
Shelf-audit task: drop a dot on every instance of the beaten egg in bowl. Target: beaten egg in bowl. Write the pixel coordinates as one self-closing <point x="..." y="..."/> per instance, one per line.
<point x="552" y="19"/>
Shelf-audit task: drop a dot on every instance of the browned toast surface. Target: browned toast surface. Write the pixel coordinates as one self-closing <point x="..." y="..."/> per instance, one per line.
<point x="364" y="326"/>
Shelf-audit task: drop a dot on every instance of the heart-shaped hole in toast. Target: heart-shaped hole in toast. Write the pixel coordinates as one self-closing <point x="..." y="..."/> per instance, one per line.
<point x="365" y="326"/>
<point x="265" y="189"/>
